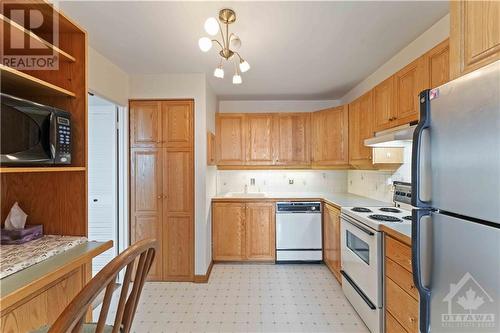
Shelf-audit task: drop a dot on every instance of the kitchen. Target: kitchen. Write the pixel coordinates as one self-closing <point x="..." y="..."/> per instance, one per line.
<point x="283" y="200"/>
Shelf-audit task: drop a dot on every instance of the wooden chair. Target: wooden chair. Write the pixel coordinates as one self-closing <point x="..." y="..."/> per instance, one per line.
<point x="73" y="316"/>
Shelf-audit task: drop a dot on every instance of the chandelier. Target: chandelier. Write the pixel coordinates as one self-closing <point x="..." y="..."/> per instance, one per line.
<point x="228" y="45"/>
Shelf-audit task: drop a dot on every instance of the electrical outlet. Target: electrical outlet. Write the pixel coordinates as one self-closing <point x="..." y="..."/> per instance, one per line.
<point x="290" y="181"/>
<point x="252" y="181"/>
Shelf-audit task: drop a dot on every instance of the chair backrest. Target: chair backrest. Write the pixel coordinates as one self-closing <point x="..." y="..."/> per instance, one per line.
<point x="138" y="257"/>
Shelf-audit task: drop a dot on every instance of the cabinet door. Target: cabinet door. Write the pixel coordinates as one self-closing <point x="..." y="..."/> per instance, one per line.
<point x="260" y="231"/>
<point x="260" y="143"/>
<point x="178" y="234"/>
<point x="439" y="64"/>
<point x="228" y="231"/>
<point x="230" y="136"/>
<point x="292" y="138"/>
<point x="145" y="201"/>
<point x="331" y="239"/>
<point x="383" y="105"/>
<point x="177" y="124"/>
<point x="360" y="128"/>
<point x="474" y="35"/>
<point x="145" y="128"/>
<point x="331" y="136"/>
<point x="408" y="84"/>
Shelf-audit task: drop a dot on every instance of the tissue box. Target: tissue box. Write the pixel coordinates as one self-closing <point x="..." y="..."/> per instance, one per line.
<point x="20" y="236"/>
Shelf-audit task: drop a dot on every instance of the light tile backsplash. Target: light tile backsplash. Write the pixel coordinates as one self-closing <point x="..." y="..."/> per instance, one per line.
<point x="378" y="184"/>
<point x="279" y="181"/>
<point x="372" y="184"/>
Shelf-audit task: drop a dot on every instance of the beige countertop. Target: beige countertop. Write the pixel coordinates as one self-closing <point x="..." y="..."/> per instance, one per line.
<point x="340" y="199"/>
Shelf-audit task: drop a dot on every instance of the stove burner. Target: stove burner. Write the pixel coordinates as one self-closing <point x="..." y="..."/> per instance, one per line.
<point x="361" y="210"/>
<point x="384" y="218"/>
<point x="390" y="210"/>
<point x="407" y="218"/>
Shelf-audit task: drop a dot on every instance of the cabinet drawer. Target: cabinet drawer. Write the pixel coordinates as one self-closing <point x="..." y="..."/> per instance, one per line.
<point x="392" y="325"/>
<point x="398" y="252"/>
<point x="401" y="306"/>
<point x="401" y="277"/>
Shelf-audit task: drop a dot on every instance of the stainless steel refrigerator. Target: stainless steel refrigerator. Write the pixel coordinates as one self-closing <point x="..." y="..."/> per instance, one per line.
<point x="456" y="192"/>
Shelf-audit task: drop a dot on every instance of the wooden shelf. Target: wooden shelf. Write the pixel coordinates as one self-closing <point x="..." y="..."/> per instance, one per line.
<point x="39" y="169"/>
<point x="39" y="42"/>
<point x="16" y="81"/>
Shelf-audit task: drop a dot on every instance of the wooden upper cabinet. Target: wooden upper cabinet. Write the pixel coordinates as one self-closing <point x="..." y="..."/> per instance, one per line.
<point x="230" y="136"/>
<point x="360" y="128"/>
<point x="439" y="64"/>
<point x="330" y="137"/>
<point x="228" y="231"/>
<point x="177" y="124"/>
<point x="260" y="238"/>
<point x="292" y="135"/>
<point x="145" y="200"/>
<point x="145" y="128"/>
<point x="408" y="83"/>
<point x="211" y="159"/>
<point x="260" y="143"/>
<point x="474" y="35"/>
<point x="383" y="105"/>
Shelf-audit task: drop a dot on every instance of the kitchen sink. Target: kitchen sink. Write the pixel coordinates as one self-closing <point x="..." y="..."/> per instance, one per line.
<point x="245" y="195"/>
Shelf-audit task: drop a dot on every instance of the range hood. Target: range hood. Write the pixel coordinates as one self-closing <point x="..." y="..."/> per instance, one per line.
<point x="394" y="137"/>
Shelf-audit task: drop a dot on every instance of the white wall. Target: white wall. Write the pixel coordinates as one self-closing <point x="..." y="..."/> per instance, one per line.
<point x="275" y="106"/>
<point x="106" y="79"/>
<point x="189" y="86"/>
<point x="426" y="41"/>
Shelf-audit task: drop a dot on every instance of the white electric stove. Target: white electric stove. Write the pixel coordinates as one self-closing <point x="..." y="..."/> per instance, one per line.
<point x="362" y="253"/>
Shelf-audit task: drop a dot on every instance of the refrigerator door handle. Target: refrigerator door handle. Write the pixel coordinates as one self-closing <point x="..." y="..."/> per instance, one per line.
<point x="420" y="161"/>
<point x="421" y="262"/>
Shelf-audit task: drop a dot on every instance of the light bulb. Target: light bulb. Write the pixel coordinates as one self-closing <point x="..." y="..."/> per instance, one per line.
<point x="219" y="72"/>
<point x="235" y="42"/>
<point x="211" y="26"/>
<point x="244" y="66"/>
<point x="205" y="44"/>
<point x="237" y="79"/>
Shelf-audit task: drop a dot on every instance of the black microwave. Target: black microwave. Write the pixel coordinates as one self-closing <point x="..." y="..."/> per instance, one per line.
<point x="33" y="133"/>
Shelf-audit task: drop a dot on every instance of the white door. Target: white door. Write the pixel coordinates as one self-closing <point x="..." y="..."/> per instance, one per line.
<point x="102" y="180"/>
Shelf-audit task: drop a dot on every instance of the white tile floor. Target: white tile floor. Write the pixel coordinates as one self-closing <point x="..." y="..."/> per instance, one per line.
<point x="249" y="298"/>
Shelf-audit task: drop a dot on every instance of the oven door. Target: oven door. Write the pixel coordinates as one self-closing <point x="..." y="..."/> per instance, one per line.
<point x="25" y="134"/>
<point x="361" y="254"/>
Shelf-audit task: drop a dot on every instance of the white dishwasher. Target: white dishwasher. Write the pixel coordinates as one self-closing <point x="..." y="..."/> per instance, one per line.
<point x="298" y="232"/>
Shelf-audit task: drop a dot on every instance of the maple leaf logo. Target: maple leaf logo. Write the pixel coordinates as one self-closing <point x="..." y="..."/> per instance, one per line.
<point x="470" y="301"/>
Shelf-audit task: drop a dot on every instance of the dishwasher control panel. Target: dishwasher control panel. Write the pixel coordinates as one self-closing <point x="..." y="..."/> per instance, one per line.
<point x="298" y="207"/>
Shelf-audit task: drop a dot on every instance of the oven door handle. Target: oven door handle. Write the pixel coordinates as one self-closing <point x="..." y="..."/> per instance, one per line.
<point x="365" y="230"/>
<point x="358" y="290"/>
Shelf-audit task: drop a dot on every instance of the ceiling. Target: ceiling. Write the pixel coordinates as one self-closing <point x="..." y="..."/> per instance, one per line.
<point x="297" y="50"/>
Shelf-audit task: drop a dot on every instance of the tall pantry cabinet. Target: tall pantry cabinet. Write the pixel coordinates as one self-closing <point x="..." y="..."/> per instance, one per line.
<point x="162" y="184"/>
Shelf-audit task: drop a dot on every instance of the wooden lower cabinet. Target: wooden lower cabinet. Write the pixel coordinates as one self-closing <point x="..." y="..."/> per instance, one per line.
<point x="228" y="231"/>
<point x="331" y="239"/>
<point x="401" y="296"/>
<point x="260" y="239"/>
<point x="243" y="231"/>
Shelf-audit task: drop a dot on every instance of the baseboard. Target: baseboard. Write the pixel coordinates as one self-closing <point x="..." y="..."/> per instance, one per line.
<point x="204" y="278"/>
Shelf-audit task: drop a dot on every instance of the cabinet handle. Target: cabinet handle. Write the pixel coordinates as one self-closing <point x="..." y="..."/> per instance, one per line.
<point x="412" y="320"/>
<point x="159" y="197"/>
